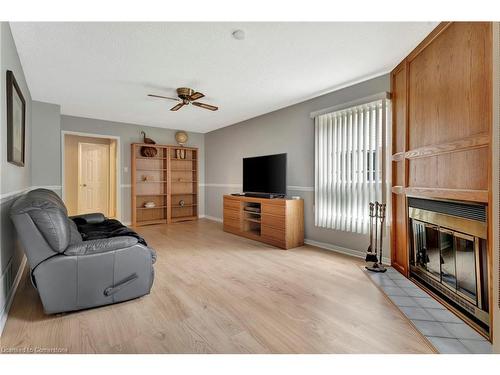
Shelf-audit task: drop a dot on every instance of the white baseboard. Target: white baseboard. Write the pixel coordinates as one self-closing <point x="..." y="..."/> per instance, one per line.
<point x="213" y="218"/>
<point x="12" y="293"/>
<point x="129" y="223"/>
<point x="342" y="250"/>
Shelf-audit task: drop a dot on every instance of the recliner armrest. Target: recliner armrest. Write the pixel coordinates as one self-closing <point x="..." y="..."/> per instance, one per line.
<point x="94" y="218"/>
<point x="100" y="245"/>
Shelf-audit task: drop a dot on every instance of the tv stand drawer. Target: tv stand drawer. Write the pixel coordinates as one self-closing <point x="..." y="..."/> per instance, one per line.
<point x="273" y="209"/>
<point x="231" y="204"/>
<point x="231" y="214"/>
<point x="273" y="221"/>
<point x="273" y="233"/>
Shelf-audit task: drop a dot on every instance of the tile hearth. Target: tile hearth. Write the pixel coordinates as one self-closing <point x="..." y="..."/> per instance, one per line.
<point x="447" y="333"/>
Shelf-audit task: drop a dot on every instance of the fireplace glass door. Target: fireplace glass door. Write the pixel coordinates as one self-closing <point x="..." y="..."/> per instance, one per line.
<point x="447" y="256"/>
<point x="432" y="255"/>
<point x="465" y="253"/>
<point x="427" y="248"/>
<point x="448" y="269"/>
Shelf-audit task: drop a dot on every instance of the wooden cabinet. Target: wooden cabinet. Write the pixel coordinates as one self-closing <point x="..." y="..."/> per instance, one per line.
<point x="278" y="222"/>
<point x="442" y="115"/>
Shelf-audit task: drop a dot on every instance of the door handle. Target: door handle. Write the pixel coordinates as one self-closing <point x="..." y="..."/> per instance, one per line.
<point x="83" y="185"/>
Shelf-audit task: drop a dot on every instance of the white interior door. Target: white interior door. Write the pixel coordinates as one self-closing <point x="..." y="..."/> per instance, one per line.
<point x="93" y="178"/>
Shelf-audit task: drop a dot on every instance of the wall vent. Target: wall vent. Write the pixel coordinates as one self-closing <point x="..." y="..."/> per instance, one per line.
<point x="7" y="280"/>
<point x="465" y="210"/>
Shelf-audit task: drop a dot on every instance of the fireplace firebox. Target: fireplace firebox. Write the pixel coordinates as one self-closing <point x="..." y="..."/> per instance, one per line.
<point x="448" y="254"/>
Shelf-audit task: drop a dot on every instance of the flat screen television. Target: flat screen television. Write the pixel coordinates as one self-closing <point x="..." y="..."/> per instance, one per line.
<point x="265" y="174"/>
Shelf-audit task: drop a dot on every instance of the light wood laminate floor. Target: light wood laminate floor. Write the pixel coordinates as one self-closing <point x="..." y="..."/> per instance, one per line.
<point x="218" y="293"/>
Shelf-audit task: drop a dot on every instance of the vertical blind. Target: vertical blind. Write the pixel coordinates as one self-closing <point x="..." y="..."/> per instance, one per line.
<point x="348" y="165"/>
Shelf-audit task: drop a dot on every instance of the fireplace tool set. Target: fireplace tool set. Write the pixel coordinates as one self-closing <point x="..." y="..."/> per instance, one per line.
<point x="377" y="216"/>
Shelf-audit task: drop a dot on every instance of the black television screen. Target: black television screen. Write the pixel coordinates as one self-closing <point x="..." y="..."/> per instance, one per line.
<point x="265" y="174"/>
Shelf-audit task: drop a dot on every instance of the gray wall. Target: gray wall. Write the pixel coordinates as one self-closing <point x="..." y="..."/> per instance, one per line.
<point x="47" y="154"/>
<point x="289" y="130"/>
<point x="46" y="145"/>
<point x="14" y="179"/>
<point x="128" y="134"/>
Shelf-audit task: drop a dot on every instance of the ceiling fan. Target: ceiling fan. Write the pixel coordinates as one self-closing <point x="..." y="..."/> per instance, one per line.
<point x="187" y="96"/>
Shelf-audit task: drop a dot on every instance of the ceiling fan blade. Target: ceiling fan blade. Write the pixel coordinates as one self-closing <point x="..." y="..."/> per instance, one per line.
<point x="195" y="96"/>
<point x="177" y="107"/>
<point x="206" y="106"/>
<point x="163" y="97"/>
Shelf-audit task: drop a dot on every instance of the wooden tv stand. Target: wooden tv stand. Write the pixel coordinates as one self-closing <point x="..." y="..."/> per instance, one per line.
<point x="278" y="222"/>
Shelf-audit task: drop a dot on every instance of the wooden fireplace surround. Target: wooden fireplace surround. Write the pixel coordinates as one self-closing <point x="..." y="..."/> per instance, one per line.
<point x="442" y="109"/>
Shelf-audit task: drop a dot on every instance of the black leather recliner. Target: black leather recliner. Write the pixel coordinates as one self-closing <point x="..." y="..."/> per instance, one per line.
<point x="73" y="274"/>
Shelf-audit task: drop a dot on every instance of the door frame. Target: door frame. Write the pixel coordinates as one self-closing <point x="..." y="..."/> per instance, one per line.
<point x="108" y="185"/>
<point x="118" y="166"/>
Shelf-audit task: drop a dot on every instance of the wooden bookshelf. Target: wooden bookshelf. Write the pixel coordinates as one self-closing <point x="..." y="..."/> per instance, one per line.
<point x="165" y="179"/>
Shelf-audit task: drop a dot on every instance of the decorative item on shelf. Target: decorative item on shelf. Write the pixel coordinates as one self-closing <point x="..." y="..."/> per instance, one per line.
<point x="146" y="151"/>
<point x="377" y="213"/>
<point x="182" y="203"/>
<point x="146" y="178"/>
<point x="150" y="204"/>
<point x="181" y="137"/>
<point x="180" y="154"/>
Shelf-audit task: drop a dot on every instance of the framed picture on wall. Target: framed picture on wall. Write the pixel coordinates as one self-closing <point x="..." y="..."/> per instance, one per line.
<point x="16" y="121"/>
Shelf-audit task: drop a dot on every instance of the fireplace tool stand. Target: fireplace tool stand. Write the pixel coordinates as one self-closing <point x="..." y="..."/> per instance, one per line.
<point x="377" y="265"/>
<point x="371" y="254"/>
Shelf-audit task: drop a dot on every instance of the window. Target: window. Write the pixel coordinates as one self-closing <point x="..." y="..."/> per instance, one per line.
<point x="349" y="165"/>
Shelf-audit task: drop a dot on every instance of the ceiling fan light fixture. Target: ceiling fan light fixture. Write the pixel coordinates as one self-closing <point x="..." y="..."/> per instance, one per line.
<point x="187" y="96"/>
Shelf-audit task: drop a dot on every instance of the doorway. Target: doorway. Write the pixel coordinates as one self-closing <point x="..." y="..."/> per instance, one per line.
<point x="90" y="174"/>
<point x="93" y="178"/>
